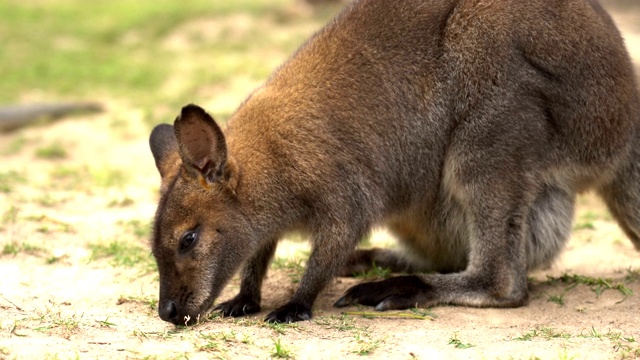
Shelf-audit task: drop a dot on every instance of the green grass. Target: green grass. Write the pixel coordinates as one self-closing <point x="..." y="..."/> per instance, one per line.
<point x="10" y="216"/>
<point x="122" y="48"/>
<point x="632" y="275"/>
<point x="9" y="179"/>
<point x="85" y="178"/>
<point x="280" y="328"/>
<point x="375" y="273"/>
<point x="14" y="146"/>
<point x="54" y="259"/>
<point x="67" y="177"/>
<point x="625" y="346"/>
<point x="219" y="342"/>
<point x="597" y="285"/>
<point x="459" y="344"/>
<point x="423" y="312"/>
<point x="121" y="202"/>
<point x="340" y="323"/>
<point x="49" y="201"/>
<point x="124" y="254"/>
<point x="83" y="46"/>
<point x="280" y="351"/>
<point x="564" y="355"/>
<point x="141" y="229"/>
<point x="47" y="224"/>
<point x="151" y="302"/>
<point x="15" y="248"/>
<point x="107" y="177"/>
<point x="54" y="151"/>
<point x="53" y="318"/>
<point x="559" y="299"/>
<point x="544" y="332"/>
<point x="366" y="345"/>
<point x="285" y="263"/>
<point x="584" y="225"/>
<point x="4" y="351"/>
<point x="106" y="323"/>
<point x="294" y="267"/>
<point x="210" y="345"/>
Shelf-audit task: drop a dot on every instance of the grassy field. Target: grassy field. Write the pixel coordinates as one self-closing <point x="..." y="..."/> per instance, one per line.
<point x="146" y="52"/>
<point x="76" y="198"/>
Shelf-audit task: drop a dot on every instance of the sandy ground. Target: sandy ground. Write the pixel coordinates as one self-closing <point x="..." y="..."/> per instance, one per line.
<point x="56" y="301"/>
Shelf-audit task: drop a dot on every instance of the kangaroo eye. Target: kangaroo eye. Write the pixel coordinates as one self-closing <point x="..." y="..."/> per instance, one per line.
<point x="188" y="240"/>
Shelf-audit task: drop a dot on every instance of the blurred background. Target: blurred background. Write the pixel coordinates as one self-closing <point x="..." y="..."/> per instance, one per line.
<point x="153" y="55"/>
<point x="158" y="55"/>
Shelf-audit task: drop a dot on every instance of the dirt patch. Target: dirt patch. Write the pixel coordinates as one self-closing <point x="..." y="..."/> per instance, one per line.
<point x="60" y="298"/>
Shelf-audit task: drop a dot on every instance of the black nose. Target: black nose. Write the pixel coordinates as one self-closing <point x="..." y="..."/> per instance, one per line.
<point x="168" y="311"/>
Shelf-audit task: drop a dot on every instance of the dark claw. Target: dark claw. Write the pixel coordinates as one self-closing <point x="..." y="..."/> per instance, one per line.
<point x="289" y="313"/>
<point x="238" y="306"/>
<point x="343" y="301"/>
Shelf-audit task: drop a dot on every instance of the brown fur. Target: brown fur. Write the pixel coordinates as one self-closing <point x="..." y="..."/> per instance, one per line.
<point x="466" y="126"/>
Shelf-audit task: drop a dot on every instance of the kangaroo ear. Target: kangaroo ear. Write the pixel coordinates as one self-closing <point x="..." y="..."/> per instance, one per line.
<point x="201" y="143"/>
<point x="164" y="148"/>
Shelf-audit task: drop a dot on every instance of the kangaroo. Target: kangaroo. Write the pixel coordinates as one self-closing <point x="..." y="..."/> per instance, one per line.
<point x="467" y="127"/>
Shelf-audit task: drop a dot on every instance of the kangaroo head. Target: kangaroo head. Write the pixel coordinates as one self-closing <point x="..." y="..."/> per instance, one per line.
<point x="199" y="233"/>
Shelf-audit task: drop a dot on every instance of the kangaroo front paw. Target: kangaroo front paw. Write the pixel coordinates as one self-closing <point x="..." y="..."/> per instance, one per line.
<point x="391" y="294"/>
<point x="289" y="313"/>
<point x="238" y="306"/>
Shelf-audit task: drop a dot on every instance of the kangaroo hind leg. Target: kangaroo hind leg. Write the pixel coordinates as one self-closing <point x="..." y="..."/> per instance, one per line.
<point x="622" y="196"/>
